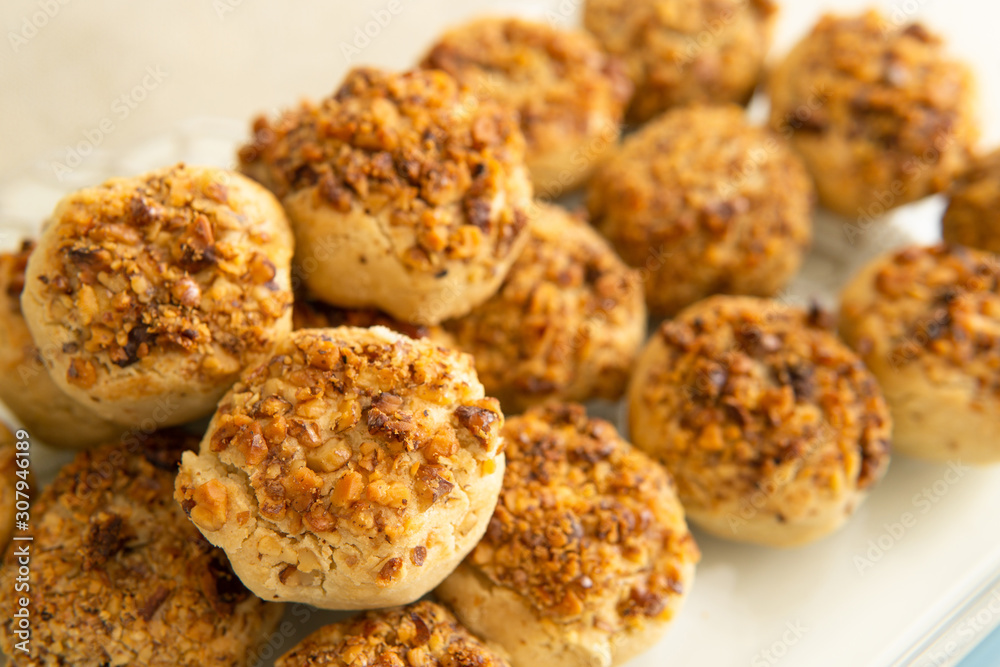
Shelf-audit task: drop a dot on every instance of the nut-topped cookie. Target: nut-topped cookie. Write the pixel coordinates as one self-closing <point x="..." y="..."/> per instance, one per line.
<point x="352" y="470"/>
<point x="423" y="633"/>
<point x="407" y="192"/>
<point x="705" y="203"/>
<point x="880" y="112"/>
<point x="682" y="51"/>
<point x="569" y="94"/>
<point x="588" y="557"/>
<point x="973" y="215"/>
<point x="119" y="576"/>
<point x="926" y="320"/>
<point x="772" y="428"/>
<point x="148" y="295"/>
<point x="46" y="411"/>
<point x="566" y="324"/>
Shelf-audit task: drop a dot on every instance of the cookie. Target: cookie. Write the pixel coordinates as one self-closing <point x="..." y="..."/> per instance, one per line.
<point x="119" y="576"/>
<point x="703" y="203"/>
<point x="587" y="559"/>
<point x="569" y="94"/>
<point x="353" y="470"/>
<point x="973" y="215"/>
<point x="407" y="192"/>
<point x="148" y="295"/>
<point x="567" y="322"/>
<point x="773" y="429"/>
<point x="926" y="320"/>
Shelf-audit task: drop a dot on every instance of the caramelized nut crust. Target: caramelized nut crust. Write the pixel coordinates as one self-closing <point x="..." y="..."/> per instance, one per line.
<point x="183" y="271"/>
<point x="120" y="576"/>
<point x="423" y="634"/>
<point x="973" y="215"/>
<point x="44" y="409"/>
<point x="683" y="51"/>
<point x="349" y="459"/>
<point x="705" y="203"/>
<point x="426" y="156"/>
<point x="587" y="529"/>
<point x="570" y="95"/>
<point x="881" y="114"/>
<point x="567" y="322"/>
<point x="759" y="412"/>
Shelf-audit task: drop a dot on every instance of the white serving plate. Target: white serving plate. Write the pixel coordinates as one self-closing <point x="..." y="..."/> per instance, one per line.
<point x="911" y="579"/>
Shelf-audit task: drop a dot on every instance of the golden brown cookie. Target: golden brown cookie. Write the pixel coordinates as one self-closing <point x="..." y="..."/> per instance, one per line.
<point x="423" y="633"/>
<point x="587" y="559"/>
<point x="703" y="203"/>
<point x="119" y="576"/>
<point x="683" y="51"/>
<point x="566" y="324"/>
<point x="46" y="411"/>
<point x="973" y="215"/>
<point x="926" y="320"/>
<point x="880" y="112"/>
<point x="569" y="94"/>
<point x="148" y="295"/>
<point x="773" y="429"/>
<point x="353" y="470"/>
<point x="408" y="192"/>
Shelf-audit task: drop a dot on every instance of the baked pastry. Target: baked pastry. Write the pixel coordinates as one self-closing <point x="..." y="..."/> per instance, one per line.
<point x="973" y="215"/>
<point x="880" y="113"/>
<point x="148" y="295"/>
<point x="704" y="203"/>
<point x="310" y="313"/>
<point x="926" y="321"/>
<point x="569" y="94"/>
<point x="773" y="429"/>
<point x="683" y="51"/>
<point x="566" y="324"/>
<point x="407" y="192"/>
<point x="45" y="410"/>
<point x="120" y="577"/>
<point x="8" y="484"/>
<point x="353" y="470"/>
<point x="423" y="633"/>
<point x="587" y="559"/>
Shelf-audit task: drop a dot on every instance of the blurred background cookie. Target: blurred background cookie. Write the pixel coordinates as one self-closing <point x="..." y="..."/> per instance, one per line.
<point x="973" y="215"/>
<point x="926" y="320"/>
<point x="148" y="295"/>
<point x="682" y="51"/>
<point x="772" y="428"/>
<point x="353" y="470"/>
<point x="119" y="576"/>
<point x="408" y="192"/>
<point x="423" y="633"/>
<point x="587" y="559"/>
<point x="569" y="94"/>
<point x="46" y="411"/>
<point x="704" y="203"/>
<point x="566" y="324"/>
<point x="880" y="112"/>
